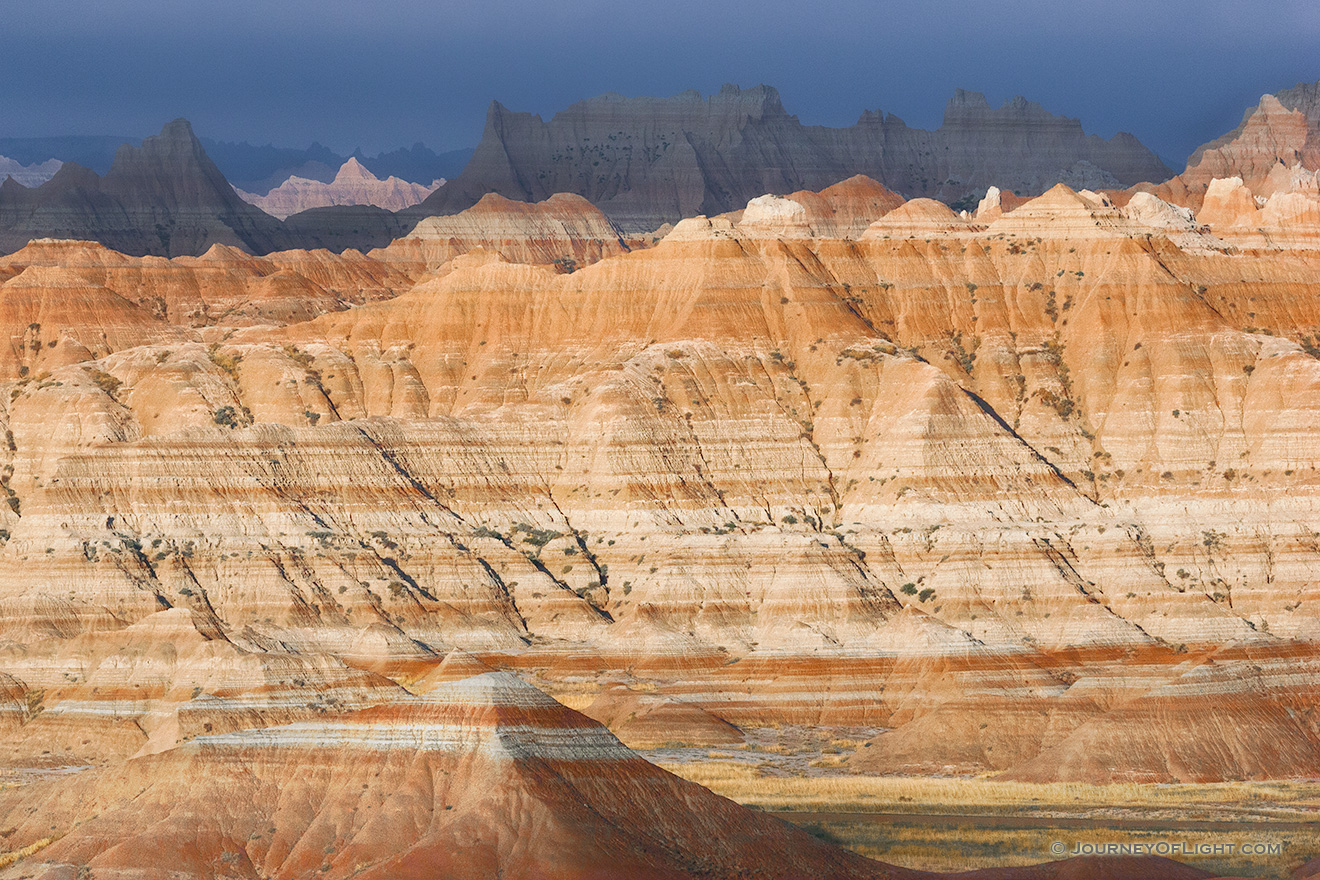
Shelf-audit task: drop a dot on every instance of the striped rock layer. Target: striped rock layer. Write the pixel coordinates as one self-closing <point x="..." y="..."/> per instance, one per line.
<point x="1036" y="496"/>
<point x="482" y="777"/>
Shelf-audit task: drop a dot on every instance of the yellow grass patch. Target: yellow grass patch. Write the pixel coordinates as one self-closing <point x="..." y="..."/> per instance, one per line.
<point x="9" y="858"/>
<point x="747" y="785"/>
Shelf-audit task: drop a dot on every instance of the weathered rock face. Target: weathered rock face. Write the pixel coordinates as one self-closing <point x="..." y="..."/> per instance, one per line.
<point x="996" y="203"/>
<point x="843" y="210"/>
<point x="1057" y="474"/>
<point x="483" y="776"/>
<point x="649" y="161"/>
<point x="352" y="185"/>
<point x="165" y="198"/>
<point x="919" y="217"/>
<point x="65" y="302"/>
<point x="647" y="720"/>
<point x="1288" y="219"/>
<point x="566" y="230"/>
<point x="1275" y="149"/>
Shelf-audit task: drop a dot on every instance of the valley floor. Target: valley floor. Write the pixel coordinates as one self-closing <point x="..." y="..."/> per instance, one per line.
<point x="1255" y="829"/>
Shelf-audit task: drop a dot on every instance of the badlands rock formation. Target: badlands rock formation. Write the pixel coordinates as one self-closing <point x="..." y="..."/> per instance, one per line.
<point x="1275" y="149"/>
<point x="259" y="169"/>
<point x="649" y="161"/>
<point x="650" y="721"/>
<point x="28" y="175"/>
<point x="645" y="162"/>
<point x="844" y="210"/>
<point x="165" y="198"/>
<point x="482" y="777"/>
<point x="168" y="199"/>
<point x="1037" y="497"/>
<point x="65" y="302"/>
<point x="352" y="185"/>
<point x="918" y="218"/>
<point x="1287" y="219"/>
<point x="564" y="230"/>
<point x="996" y="203"/>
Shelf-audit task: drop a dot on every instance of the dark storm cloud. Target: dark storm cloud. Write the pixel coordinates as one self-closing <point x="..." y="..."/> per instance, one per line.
<point x="383" y="74"/>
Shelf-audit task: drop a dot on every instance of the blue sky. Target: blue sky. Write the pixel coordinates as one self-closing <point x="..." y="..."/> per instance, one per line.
<point x="389" y="73"/>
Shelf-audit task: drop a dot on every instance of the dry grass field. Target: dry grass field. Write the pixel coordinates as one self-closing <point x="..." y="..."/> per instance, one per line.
<point x="1261" y="801"/>
<point x="949" y="824"/>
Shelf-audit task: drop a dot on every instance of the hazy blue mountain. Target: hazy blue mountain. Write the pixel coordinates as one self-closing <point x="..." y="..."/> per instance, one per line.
<point x="255" y="169"/>
<point x="95" y="152"/>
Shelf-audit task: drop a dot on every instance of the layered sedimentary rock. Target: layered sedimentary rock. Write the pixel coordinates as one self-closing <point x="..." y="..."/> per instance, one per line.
<point x="919" y="217"/>
<point x="66" y="302"/>
<point x="352" y="185"/>
<point x="1006" y="493"/>
<point x="843" y="210"/>
<point x="165" y="198"/>
<point x="1275" y="149"/>
<point x="1285" y="220"/>
<point x="566" y="230"/>
<point x="173" y="675"/>
<point x="650" y="161"/>
<point x="650" y="720"/>
<point x="482" y="777"/>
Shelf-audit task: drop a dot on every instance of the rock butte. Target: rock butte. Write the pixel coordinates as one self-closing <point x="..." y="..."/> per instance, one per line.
<point x="1035" y="497"/>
